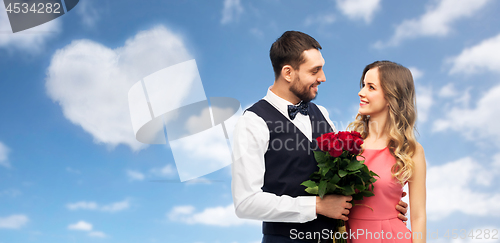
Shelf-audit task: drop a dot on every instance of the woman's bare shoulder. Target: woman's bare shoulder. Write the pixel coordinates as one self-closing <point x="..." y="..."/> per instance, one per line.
<point x="419" y="152"/>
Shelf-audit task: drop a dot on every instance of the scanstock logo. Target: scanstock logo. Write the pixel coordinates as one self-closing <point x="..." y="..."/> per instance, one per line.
<point x="171" y="105"/>
<point x="25" y="14"/>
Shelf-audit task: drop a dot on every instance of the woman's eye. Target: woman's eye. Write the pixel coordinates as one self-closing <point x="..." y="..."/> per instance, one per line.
<point x="371" y="87"/>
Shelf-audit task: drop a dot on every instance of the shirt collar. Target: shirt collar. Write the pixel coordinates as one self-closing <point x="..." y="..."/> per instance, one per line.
<point x="278" y="102"/>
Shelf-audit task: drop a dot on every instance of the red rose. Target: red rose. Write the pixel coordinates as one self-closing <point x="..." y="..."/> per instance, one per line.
<point x="336" y="149"/>
<point x="358" y="141"/>
<point x="325" y="141"/>
<point x="356" y="134"/>
<point x="335" y="143"/>
<point x="349" y="142"/>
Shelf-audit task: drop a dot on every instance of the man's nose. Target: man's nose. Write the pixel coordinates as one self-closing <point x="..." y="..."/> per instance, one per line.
<point x="322" y="77"/>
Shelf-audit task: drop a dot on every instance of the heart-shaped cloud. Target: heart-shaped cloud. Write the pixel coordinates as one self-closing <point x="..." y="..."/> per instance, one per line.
<point x="91" y="81"/>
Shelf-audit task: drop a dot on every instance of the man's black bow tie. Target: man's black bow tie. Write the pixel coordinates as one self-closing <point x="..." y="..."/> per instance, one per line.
<point x="293" y="110"/>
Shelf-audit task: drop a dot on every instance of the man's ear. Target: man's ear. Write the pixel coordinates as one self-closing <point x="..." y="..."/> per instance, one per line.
<point x="287" y="72"/>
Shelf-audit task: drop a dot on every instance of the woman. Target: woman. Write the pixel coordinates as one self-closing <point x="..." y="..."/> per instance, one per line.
<point x="386" y="121"/>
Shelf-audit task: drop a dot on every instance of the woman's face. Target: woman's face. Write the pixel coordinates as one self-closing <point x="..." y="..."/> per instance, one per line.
<point x="372" y="98"/>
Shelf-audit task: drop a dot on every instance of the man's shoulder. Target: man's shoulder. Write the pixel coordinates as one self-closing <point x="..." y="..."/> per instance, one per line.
<point x="321" y="108"/>
<point x="258" y="105"/>
<point x="251" y="121"/>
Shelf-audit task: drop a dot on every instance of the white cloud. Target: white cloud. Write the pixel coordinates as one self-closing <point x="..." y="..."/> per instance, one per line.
<point x="97" y="234"/>
<point x="135" y="175"/>
<point x="436" y="21"/>
<point x="198" y="155"/>
<point x="448" y="91"/>
<point x="483" y="57"/>
<point x="88" y="13"/>
<point x="477" y="124"/>
<point x="167" y="171"/>
<point x="324" y="19"/>
<point x="216" y="216"/>
<point x="424" y="95"/>
<point x="416" y="73"/>
<point x="91" y="81"/>
<point x="31" y="40"/>
<point x="4" y="152"/>
<point x="424" y="102"/>
<point x="201" y="180"/>
<point x="14" y="221"/>
<point x="452" y="187"/>
<point x="232" y="10"/>
<point x="85" y="226"/>
<point x="112" y="207"/>
<point x="82" y="205"/>
<point x="117" y="206"/>
<point x="359" y="9"/>
<point x="80" y="225"/>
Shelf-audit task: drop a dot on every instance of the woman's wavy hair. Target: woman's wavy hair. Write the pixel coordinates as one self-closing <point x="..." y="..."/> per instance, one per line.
<point x="399" y="91"/>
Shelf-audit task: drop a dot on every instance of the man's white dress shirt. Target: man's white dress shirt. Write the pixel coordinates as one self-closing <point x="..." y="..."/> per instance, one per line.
<point x="251" y="140"/>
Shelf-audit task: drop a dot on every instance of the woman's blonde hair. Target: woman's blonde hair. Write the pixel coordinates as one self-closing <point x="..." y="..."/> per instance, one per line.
<point x="399" y="91"/>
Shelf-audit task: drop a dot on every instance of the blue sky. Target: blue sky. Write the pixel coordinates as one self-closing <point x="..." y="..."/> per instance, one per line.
<point x="72" y="171"/>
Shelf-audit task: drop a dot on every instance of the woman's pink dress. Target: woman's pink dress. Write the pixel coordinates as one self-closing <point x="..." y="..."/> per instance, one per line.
<point x="382" y="224"/>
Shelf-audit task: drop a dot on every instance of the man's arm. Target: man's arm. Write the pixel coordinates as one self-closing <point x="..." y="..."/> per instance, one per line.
<point x="251" y="139"/>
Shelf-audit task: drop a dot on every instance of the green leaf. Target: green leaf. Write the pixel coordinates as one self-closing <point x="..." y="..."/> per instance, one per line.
<point x="342" y="173"/>
<point x="354" y="165"/>
<point x="374" y="174"/>
<point x="315" y="176"/>
<point x="325" y="165"/>
<point x="324" y="171"/>
<point x="335" y="179"/>
<point x="320" y="157"/>
<point x="361" y="180"/>
<point x="322" y="188"/>
<point x="309" y="183"/>
<point x="352" y="172"/>
<point x="367" y="193"/>
<point x="360" y="187"/>
<point x="312" y="190"/>
<point x="348" y="190"/>
<point x="357" y="196"/>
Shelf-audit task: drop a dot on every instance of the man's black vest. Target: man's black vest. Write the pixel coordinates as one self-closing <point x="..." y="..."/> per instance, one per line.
<point x="289" y="161"/>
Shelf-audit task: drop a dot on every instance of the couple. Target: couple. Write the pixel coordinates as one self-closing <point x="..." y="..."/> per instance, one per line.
<point x="274" y="139"/>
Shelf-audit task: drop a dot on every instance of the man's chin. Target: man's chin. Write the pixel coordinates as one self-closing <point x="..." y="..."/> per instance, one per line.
<point x="314" y="96"/>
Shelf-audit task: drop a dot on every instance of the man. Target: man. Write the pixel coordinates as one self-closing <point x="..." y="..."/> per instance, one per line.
<point x="273" y="144"/>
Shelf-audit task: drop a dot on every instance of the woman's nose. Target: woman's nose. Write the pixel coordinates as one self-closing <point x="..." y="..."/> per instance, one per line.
<point x="361" y="93"/>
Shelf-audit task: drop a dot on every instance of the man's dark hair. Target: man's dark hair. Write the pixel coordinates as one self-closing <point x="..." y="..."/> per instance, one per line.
<point x="287" y="50"/>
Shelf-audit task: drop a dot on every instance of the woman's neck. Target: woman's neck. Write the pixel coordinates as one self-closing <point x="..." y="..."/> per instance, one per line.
<point x="377" y="133"/>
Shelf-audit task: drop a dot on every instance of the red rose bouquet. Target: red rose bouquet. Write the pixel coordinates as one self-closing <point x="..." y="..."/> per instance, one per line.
<point x="340" y="172"/>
